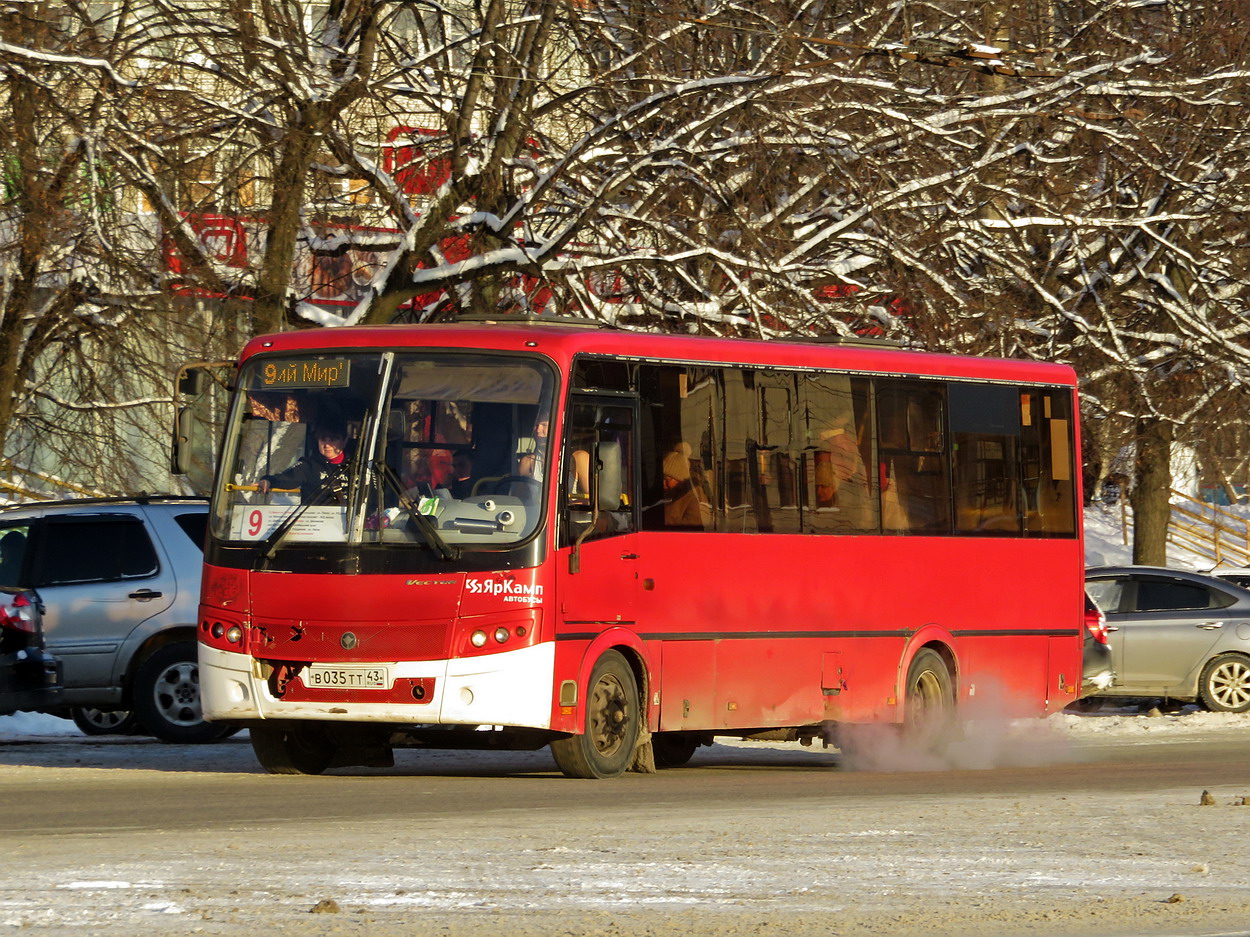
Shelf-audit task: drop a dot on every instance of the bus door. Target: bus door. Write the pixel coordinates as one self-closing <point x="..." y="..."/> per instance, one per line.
<point x="597" y="566"/>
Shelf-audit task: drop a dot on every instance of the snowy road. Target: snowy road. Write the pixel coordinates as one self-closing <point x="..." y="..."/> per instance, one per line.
<point x="128" y="836"/>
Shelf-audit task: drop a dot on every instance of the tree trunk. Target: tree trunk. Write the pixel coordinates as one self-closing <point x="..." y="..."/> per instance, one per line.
<point x="285" y="218"/>
<point x="1152" y="486"/>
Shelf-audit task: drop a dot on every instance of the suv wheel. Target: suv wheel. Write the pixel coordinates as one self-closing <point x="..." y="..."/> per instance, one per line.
<point x="105" y="721"/>
<point x="167" y="697"/>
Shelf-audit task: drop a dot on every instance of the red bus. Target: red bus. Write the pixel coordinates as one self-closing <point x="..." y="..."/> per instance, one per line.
<point x="622" y="544"/>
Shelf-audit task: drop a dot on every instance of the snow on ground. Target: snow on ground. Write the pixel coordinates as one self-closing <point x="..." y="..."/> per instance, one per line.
<point x="1105" y="541"/>
<point x="25" y="725"/>
<point x="939" y="863"/>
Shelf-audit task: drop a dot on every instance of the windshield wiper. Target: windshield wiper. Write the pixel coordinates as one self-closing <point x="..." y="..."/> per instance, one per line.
<point x="269" y="546"/>
<point x="416" y="520"/>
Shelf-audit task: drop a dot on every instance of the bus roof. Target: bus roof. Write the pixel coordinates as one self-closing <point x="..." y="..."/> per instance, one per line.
<point x="562" y="342"/>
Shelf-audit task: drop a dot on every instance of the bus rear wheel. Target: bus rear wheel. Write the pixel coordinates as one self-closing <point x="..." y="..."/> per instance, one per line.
<point x="930" y="715"/>
<point x="292" y="749"/>
<point x="606" y="748"/>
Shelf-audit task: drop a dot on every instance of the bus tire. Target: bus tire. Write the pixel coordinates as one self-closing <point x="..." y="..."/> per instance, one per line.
<point x="673" y="749"/>
<point x="1225" y="684"/>
<point x="606" y="747"/>
<point x="930" y="715"/>
<point x="292" y="749"/>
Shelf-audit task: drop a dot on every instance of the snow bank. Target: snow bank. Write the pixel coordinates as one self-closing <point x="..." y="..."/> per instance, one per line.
<point x="26" y="725"/>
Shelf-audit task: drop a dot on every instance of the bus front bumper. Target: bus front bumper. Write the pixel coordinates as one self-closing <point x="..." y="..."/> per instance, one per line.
<point x="510" y="688"/>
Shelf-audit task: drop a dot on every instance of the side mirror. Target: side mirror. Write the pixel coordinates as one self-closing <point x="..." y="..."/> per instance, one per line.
<point x="201" y="400"/>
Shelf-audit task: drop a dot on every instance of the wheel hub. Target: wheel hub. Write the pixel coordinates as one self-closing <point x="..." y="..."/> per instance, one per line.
<point x="1230" y="684"/>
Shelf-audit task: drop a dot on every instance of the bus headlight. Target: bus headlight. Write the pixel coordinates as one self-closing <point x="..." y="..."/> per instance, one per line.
<point x="501" y="635"/>
<point x="478" y="639"/>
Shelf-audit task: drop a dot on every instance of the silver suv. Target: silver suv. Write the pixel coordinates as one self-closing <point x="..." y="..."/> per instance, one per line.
<point x="119" y="579"/>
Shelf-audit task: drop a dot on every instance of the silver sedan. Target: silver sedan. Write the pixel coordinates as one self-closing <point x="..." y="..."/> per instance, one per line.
<point x="1175" y="634"/>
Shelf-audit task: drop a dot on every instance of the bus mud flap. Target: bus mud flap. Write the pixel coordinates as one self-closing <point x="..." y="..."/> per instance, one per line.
<point x="644" y="754"/>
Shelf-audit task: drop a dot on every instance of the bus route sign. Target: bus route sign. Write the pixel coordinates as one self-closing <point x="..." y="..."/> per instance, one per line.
<point x="306" y="372"/>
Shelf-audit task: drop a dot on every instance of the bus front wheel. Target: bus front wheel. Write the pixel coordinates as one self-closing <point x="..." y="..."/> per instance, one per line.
<point x="605" y="748"/>
<point x="292" y="750"/>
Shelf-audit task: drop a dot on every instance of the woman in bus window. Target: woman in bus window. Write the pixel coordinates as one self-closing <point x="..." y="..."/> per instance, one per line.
<point x="683" y="504"/>
<point x="323" y="470"/>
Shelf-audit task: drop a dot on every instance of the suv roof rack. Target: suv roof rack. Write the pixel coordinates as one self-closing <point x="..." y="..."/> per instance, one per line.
<point x="141" y="497"/>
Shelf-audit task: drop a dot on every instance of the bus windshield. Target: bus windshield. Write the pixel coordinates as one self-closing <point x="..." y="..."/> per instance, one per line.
<point x="444" y="450"/>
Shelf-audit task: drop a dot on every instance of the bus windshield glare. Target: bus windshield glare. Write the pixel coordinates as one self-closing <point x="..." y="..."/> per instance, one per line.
<point x="437" y="449"/>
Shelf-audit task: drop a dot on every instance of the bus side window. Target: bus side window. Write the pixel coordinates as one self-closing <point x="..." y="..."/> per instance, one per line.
<point x="915" y="487"/>
<point x="985" y="436"/>
<point x="598" y="466"/>
<point x="1049" y="486"/>
<point x="837" y="492"/>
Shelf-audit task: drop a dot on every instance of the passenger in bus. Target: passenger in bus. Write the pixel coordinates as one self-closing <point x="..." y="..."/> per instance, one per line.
<point x="440" y="468"/>
<point x="579" y="477"/>
<point x="684" y="502"/>
<point x="841" y="476"/>
<point x="606" y="480"/>
<point x="461" y="484"/>
<point x="434" y="469"/>
<point x="322" y="471"/>
<point x="531" y="463"/>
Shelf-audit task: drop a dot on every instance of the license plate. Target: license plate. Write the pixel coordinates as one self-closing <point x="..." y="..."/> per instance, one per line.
<point x="322" y="677"/>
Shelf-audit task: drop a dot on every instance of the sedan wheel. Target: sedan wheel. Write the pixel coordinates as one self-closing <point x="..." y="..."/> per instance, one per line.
<point x="1225" y="684"/>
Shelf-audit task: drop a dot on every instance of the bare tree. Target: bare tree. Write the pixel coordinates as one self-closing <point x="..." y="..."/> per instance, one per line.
<point x="1060" y="180"/>
<point x="84" y="331"/>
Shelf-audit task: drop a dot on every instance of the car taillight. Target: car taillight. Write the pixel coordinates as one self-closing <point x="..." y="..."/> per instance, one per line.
<point x="1095" y="623"/>
<point x="18" y="615"/>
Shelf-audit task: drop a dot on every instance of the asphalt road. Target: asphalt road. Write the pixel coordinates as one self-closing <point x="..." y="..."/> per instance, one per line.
<point x="121" y="836"/>
<point x="145" y="784"/>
